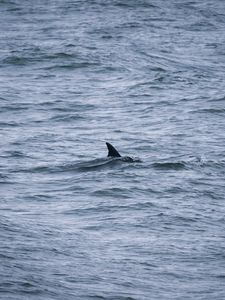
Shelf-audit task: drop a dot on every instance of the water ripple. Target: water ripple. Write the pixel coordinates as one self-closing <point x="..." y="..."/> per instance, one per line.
<point x="147" y="76"/>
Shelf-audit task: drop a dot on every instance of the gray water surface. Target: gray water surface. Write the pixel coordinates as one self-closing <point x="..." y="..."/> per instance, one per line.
<point x="148" y="77"/>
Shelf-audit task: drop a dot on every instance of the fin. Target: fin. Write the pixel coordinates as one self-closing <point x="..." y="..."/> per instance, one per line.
<point x="112" y="151"/>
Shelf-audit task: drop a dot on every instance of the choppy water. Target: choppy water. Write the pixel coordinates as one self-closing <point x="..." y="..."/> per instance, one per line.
<point x="147" y="76"/>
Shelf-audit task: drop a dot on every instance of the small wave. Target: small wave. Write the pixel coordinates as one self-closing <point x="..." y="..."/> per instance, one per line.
<point x="54" y="61"/>
<point x="210" y="111"/>
<point x="15" y="154"/>
<point x="111" y="208"/>
<point x="71" y="108"/>
<point x="5" y="256"/>
<point x="203" y="162"/>
<point x="9" y="124"/>
<point x="134" y="4"/>
<point x="200" y="26"/>
<point x="15" y="60"/>
<point x="66" y="118"/>
<point x="170" y="165"/>
<point x="13" y="108"/>
<point x="38" y="169"/>
<point x="189" y="163"/>
<point x="220" y="99"/>
<point x="73" y="65"/>
<point x="113" y="192"/>
<point x="3" y="176"/>
<point x="4" y="179"/>
<point x="215" y="110"/>
<point x="221" y="276"/>
<point x="79" y="166"/>
<point x="5" y="182"/>
<point x="21" y="287"/>
<point x="61" y="55"/>
<point x="38" y="197"/>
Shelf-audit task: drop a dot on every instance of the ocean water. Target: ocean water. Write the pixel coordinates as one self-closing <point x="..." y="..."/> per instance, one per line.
<point x="148" y="77"/>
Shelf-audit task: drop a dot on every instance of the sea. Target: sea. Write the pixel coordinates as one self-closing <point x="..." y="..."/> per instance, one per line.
<point x="148" y="77"/>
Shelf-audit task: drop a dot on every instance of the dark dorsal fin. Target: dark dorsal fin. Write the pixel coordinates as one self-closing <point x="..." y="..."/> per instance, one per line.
<point x="112" y="151"/>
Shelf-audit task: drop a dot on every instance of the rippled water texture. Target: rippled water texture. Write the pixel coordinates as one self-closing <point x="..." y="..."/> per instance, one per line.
<point x="148" y="77"/>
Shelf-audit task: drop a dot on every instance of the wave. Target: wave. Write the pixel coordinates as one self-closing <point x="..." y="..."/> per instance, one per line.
<point x="72" y="65"/>
<point x="111" y="208"/>
<point x="9" y="124"/>
<point x="85" y="166"/>
<point x="210" y="111"/>
<point x="4" y="179"/>
<point x="134" y="4"/>
<point x="66" y="118"/>
<point x="169" y="165"/>
<point x="104" y="163"/>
